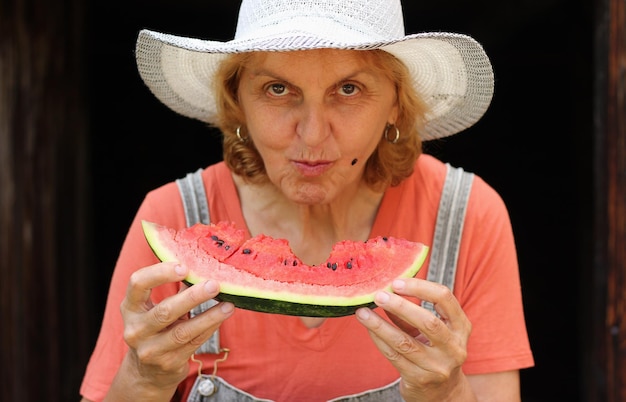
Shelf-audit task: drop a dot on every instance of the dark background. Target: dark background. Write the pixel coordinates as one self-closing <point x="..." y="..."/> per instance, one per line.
<point x="533" y="146"/>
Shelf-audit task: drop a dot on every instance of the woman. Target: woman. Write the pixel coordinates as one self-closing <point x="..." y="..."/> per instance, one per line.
<point x="323" y="106"/>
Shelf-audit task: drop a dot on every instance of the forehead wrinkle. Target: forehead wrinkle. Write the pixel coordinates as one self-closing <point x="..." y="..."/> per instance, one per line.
<point x="357" y="66"/>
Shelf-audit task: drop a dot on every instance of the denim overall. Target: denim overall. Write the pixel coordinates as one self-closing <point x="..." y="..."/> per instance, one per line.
<point x="442" y="269"/>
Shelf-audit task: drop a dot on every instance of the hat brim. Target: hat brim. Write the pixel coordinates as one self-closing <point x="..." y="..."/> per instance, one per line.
<point x="450" y="72"/>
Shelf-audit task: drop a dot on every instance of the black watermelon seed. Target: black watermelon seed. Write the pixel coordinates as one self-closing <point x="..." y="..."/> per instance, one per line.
<point x="227" y="247"/>
<point x="246" y="251"/>
<point x="334" y="266"/>
<point x="349" y="264"/>
<point x="385" y="239"/>
<point x="215" y="238"/>
<point x="295" y="263"/>
<point x="328" y="265"/>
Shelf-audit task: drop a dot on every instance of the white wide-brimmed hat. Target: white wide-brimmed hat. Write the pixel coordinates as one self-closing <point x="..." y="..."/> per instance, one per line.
<point x="450" y="71"/>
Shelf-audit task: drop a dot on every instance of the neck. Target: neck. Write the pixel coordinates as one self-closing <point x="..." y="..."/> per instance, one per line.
<point x="310" y="229"/>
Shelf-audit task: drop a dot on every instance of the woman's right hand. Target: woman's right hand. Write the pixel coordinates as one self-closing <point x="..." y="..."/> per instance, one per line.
<point x="161" y="338"/>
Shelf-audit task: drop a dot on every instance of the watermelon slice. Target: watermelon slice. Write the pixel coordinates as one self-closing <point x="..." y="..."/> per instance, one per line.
<point x="263" y="274"/>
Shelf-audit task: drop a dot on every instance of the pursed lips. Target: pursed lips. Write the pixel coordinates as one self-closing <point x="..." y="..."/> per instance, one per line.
<point x="311" y="168"/>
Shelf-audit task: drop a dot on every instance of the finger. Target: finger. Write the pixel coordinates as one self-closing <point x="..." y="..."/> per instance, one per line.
<point x="448" y="334"/>
<point x="186" y="336"/>
<point x="163" y="322"/>
<point x="431" y="329"/>
<point x="192" y="333"/>
<point x="142" y="282"/>
<point x="401" y="349"/>
<point x="169" y="310"/>
<point x="410" y="355"/>
<point x="442" y="298"/>
<point x="429" y="325"/>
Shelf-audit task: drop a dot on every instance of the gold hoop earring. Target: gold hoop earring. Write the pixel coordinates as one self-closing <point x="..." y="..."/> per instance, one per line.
<point x="238" y="132"/>
<point x="386" y="134"/>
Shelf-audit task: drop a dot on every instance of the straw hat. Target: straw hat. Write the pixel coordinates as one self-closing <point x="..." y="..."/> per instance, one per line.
<point x="451" y="72"/>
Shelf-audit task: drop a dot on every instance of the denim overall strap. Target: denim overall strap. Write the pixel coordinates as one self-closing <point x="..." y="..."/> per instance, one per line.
<point x="194" y="198"/>
<point x="196" y="208"/>
<point x="449" y="229"/>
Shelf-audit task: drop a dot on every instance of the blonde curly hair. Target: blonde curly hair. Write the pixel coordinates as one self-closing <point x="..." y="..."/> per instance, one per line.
<point x="388" y="165"/>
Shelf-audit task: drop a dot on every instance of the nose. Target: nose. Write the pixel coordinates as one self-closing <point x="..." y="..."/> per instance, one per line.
<point x="313" y="125"/>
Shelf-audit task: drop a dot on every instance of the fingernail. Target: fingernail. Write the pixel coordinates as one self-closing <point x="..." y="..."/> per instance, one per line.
<point x="180" y="270"/>
<point x="382" y="297"/>
<point x="227" y="307"/>
<point x="399" y="284"/>
<point x="363" y="313"/>
<point x="211" y="286"/>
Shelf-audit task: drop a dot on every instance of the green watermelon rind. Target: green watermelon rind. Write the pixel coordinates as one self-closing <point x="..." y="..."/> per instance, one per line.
<point x="290" y="308"/>
<point x="281" y="302"/>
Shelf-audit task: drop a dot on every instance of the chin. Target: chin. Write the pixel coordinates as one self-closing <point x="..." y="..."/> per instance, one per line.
<point x="309" y="194"/>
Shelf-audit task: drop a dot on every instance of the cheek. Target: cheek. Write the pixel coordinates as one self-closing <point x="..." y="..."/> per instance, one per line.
<point x="271" y="144"/>
<point x="362" y="141"/>
<point x="362" y="129"/>
<point x="264" y="138"/>
<point x="274" y="155"/>
<point x="267" y="128"/>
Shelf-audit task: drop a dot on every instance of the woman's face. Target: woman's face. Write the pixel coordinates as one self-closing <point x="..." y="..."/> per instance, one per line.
<point x="311" y="115"/>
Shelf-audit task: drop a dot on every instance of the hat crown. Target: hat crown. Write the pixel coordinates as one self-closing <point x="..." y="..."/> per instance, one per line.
<point x="350" y="21"/>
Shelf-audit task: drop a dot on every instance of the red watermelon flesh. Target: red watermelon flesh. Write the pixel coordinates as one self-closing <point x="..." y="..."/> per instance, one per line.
<point x="263" y="274"/>
<point x="222" y="239"/>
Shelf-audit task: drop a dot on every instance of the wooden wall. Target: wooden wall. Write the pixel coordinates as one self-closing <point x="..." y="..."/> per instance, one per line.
<point x="44" y="242"/>
<point x="606" y="362"/>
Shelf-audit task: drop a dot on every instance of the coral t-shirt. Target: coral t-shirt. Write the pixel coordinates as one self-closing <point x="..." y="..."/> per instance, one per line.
<point x="276" y="357"/>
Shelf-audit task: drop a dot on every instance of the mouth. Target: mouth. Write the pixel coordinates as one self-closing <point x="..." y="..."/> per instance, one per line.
<point x="311" y="168"/>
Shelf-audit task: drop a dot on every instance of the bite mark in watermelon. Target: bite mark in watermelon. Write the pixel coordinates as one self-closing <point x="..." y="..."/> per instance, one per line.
<point x="263" y="274"/>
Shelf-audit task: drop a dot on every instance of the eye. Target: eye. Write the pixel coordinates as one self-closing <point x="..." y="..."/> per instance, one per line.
<point x="349" y="89"/>
<point x="277" y="89"/>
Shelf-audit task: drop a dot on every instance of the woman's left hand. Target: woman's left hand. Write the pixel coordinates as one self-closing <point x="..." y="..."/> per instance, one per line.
<point x="427" y="350"/>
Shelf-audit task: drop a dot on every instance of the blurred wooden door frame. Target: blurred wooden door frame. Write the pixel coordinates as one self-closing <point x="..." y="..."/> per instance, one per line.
<point x="44" y="247"/>
<point x="606" y="372"/>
